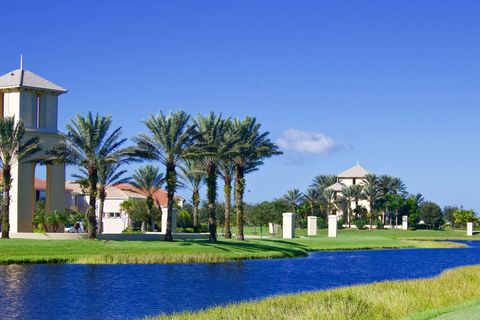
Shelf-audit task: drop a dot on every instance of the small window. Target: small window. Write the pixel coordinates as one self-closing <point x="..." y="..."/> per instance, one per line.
<point x="2" y="109"/>
<point x="111" y="214"/>
<point x="39" y="111"/>
<point x="117" y="214"/>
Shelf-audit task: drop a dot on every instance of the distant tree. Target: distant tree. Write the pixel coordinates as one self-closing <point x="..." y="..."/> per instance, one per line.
<point x="194" y="177"/>
<point x="463" y="216"/>
<point x="260" y="214"/>
<point x="351" y="194"/>
<point x="148" y="179"/>
<point x="448" y="214"/>
<point x="293" y="197"/>
<point x="371" y="193"/>
<point x="431" y="214"/>
<point x="311" y="198"/>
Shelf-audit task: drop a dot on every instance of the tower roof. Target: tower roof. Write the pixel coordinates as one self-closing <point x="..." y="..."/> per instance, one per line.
<point x="26" y="79"/>
<point x="356" y="171"/>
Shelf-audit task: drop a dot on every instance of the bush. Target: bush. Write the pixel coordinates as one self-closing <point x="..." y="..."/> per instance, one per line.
<point x="340" y="223"/>
<point x="130" y="230"/>
<point x="379" y="225"/>
<point x="188" y="230"/>
<point x="360" y="223"/>
<point x="301" y="223"/>
<point x="321" y="223"/>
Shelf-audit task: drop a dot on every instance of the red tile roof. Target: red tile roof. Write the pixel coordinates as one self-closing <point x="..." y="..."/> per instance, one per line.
<point x="160" y="197"/>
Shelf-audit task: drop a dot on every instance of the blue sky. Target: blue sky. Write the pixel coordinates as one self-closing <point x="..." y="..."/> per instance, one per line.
<point x="392" y="84"/>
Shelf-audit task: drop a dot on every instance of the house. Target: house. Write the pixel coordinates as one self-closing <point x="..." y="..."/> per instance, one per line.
<point x="352" y="176"/>
<point x="115" y="220"/>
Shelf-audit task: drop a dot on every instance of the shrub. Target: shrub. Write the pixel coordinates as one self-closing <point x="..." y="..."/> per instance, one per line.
<point x="340" y="223"/>
<point x="360" y="223"/>
<point x="301" y="223"/>
<point x="379" y="224"/>
<point x="321" y="223"/>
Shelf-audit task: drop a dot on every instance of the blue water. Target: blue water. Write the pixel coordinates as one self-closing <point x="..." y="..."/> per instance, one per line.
<point x="133" y="291"/>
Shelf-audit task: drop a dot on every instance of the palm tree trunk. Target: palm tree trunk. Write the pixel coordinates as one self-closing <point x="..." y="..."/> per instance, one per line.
<point x="92" y="202"/>
<point x="239" y="190"/>
<point x="196" y="212"/>
<point x="100" y="211"/>
<point x="7" y="184"/>
<point x="171" y="184"/>
<point x="211" y="198"/>
<point x="349" y="213"/>
<point x="228" y="201"/>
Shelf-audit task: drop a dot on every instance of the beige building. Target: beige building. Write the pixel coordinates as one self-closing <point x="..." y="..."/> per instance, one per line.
<point x="34" y="101"/>
<point x="352" y="176"/>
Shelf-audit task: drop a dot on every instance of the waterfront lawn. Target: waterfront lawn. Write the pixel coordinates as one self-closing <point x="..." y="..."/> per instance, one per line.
<point x="413" y="300"/>
<point x="185" y="251"/>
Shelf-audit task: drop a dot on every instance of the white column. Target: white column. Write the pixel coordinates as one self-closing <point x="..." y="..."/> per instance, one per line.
<point x="288" y="225"/>
<point x="271" y="228"/>
<point x="164" y="220"/>
<point x="312" y="226"/>
<point x="22" y="196"/>
<point x="404" y="222"/>
<point x="332" y="226"/>
<point x="469" y="229"/>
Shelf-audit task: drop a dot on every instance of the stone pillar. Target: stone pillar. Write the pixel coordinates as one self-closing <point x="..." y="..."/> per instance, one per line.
<point x="288" y="225"/>
<point x="469" y="229"/>
<point x="312" y="226"/>
<point x="22" y="196"/>
<point x="164" y="220"/>
<point x="332" y="226"/>
<point x="404" y="222"/>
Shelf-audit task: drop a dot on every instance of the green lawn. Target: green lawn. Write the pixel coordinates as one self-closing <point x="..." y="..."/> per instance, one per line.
<point x="183" y="251"/>
<point x="413" y="300"/>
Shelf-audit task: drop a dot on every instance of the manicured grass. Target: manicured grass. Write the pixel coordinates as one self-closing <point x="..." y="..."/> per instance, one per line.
<point x="386" y="300"/>
<point x="185" y="251"/>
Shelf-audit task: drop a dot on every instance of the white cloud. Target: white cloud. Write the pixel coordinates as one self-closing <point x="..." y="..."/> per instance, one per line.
<point x="306" y="141"/>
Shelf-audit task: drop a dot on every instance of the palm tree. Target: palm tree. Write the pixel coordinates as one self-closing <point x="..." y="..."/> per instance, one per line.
<point x="371" y="194"/>
<point x="253" y="146"/>
<point x="293" y="198"/>
<point x="148" y="179"/>
<point x="329" y="196"/>
<point x="108" y="174"/>
<point x="88" y="144"/>
<point x="351" y="193"/>
<point x="14" y="148"/>
<point x="194" y="176"/>
<point x="398" y="189"/>
<point x="211" y="148"/>
<point x="321" y="183"/>
<point x="171" y="140"/>
<point x="226" y="171"/>
<point x="384" y="188"/>
<point x="311" y="197"/>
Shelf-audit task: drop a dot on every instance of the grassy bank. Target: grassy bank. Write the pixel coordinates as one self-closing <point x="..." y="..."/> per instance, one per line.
<point x="414" y="300"/>
<point x="185" y="251"/>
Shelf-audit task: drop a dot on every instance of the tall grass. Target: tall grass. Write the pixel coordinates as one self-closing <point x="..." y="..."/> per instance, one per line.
<point x="382" y="301"/>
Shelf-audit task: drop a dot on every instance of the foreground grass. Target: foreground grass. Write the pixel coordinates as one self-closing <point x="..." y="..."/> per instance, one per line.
<point x="415" y="299"/>
<point x="189" y="251"/>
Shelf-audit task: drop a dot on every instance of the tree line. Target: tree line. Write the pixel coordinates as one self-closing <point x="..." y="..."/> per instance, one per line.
<point x="388" y="200"/>
<point x="200" y="149"/>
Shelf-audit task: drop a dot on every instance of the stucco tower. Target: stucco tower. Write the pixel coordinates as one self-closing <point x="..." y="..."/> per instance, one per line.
<point x="33" y="100"/>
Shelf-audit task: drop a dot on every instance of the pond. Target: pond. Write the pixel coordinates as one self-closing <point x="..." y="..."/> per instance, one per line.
<point x="54" y="291"/>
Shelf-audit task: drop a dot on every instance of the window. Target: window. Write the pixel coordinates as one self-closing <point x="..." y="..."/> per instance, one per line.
<point x="2" y="110"/>
<point x="117" y="214"/>
<point x="111" y="214"/>
<point x="39" y="111"/>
